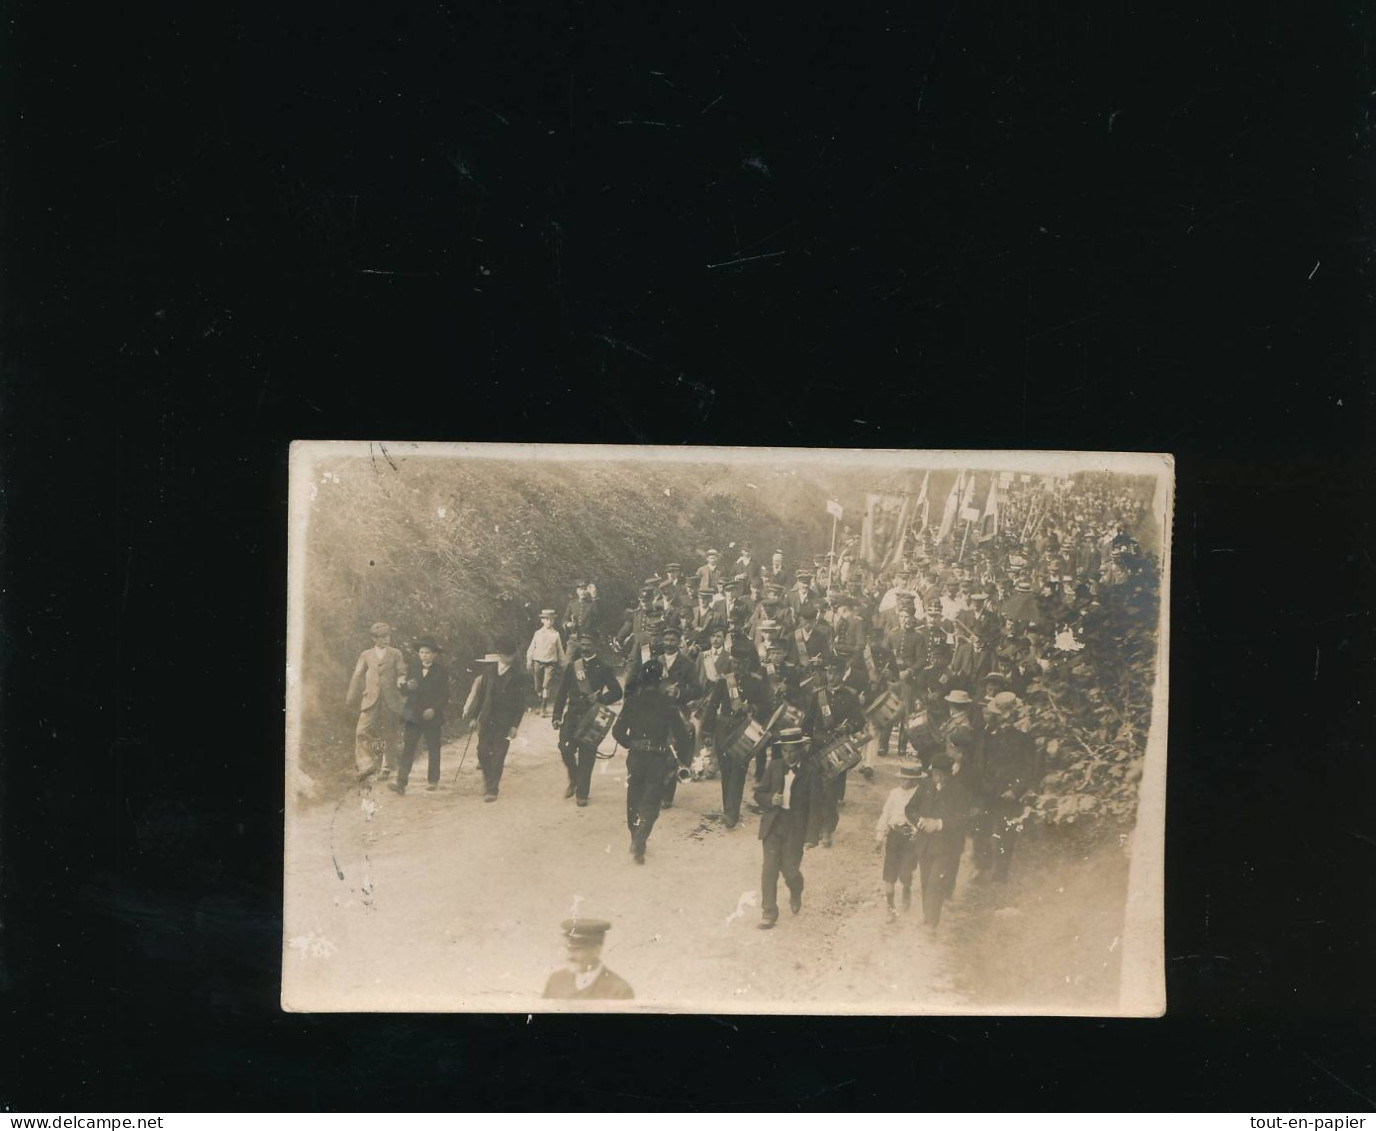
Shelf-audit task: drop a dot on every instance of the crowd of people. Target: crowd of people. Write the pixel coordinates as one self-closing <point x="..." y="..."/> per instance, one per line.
<point x="781" y="679"/>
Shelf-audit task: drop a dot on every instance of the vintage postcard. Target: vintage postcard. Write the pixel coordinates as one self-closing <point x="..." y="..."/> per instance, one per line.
<point x="725" y="730"/>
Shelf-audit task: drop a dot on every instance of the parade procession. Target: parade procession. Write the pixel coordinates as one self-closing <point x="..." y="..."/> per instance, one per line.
<point x="918" y="678"/>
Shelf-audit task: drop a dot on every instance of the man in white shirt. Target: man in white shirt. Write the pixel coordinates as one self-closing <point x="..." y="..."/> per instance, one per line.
<point x="782" y="796"/>
<point x="896" y="837"/>
<point x="545" y="657"/>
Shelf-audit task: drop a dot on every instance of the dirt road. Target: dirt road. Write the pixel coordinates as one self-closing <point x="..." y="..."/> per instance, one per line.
<point x="440" y="901"/>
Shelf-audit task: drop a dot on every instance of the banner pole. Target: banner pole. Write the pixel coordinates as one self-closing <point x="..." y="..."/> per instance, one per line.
<point x="831" y="557"/>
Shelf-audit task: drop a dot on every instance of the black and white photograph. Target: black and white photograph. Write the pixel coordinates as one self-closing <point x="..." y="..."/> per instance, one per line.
<point x="725" y="730"/>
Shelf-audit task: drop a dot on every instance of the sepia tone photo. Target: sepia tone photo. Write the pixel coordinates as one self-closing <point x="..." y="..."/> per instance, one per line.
<point x="725" y="730"/>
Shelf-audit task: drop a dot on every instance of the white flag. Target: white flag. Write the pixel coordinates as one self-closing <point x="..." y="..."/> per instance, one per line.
<point x="948" y="513"/>
<point x="834" y="508"/>
<point x="989" y="523"/>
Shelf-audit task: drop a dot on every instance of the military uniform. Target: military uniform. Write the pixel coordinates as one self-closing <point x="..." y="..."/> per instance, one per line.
<point x="586" y="978"/>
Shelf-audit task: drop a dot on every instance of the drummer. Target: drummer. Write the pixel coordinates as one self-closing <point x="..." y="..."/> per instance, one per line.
<point x="835" y="712"/>
<point x="586" y="684"/>
<point x="739" y="696"/>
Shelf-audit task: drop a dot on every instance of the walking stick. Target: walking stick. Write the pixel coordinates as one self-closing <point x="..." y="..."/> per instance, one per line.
<point x="464" y="756"/>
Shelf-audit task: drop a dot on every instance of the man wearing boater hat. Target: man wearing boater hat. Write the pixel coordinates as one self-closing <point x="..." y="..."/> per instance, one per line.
<point x="498" y="702"/>
<point x="427" y="692"/>
<point x="545" y="657"/>
<point x="585" y="977"/>
<point x="783" y="797"/>
<point x="585" y="684"/>
<point x="375" y="692"/>
<point x="657" y="742"/>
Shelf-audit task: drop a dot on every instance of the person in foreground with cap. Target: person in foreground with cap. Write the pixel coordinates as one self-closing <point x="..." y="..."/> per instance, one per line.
<point x="657" y="742"/>
<point x="1010" y="772"/>
<point x="498" y="702"/>
<point x="939" y="810"/>
<point x="585" y="977"/>
<point x="545" y="657"/>
<point x="422" y="716"/>
<point x="896" y="837"/>
<point x="586" y="684"/>
<point x="375" y="692"/>
<point x="782" y="796"/>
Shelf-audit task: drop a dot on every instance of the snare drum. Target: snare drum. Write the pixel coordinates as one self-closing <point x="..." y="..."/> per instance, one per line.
<point x="596" y="724"/>
<point x="744" y="742"/>
<point x="838" y="756"/>
<point x="884" y="710"/>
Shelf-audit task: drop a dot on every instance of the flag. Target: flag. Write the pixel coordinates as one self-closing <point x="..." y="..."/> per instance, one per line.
<point x="885" y="519"/>
<point x="1024" y="479"/>
<point x="948" y="512"/>
<point x="894" y="558"/>
<point x="989" y="522"/>
<point x="967" y="500"/>
<point x="1005" y="478"/>
<point x="923" y="505"/>
<point x="834" y="508"/>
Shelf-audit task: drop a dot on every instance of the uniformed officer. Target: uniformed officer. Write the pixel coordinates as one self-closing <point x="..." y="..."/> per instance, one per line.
<point x="585" y="977"/>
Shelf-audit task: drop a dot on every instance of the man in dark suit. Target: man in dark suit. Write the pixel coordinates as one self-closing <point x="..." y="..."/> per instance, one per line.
<point x="745" y="569"/>
<point x="585" y="977"/>
<point x="710" y="574"/>
<point x="801" y="594"/>
<point x="585" y="684"/>
<point x="739" y="695"/>
<point x="680" y="686"/>
<point x="782" y="796"/>
<point x="422" y="715"/>
<point x="940" y="811"/>
<point x="810" y="640"/>
<point x="907" y="649"/>
<point x="705" y="619"/>
<point x="835" y="710"/>
<point x="657" y="742"/>
<point x="498" y="703"/>
<point x="1011" y="773"/>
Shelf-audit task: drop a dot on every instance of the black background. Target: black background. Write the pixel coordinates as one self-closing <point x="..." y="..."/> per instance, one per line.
<point x="948" y="224"/>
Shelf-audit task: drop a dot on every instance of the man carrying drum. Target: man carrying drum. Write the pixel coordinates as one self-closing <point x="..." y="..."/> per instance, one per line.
<point x="834" y="713"/>
<point x="586" y="688"/>
<point x="737" y="700"/>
